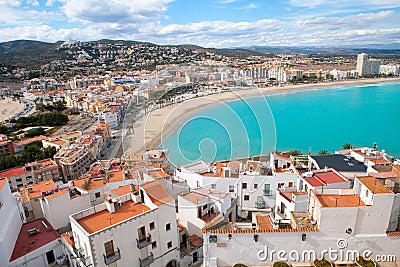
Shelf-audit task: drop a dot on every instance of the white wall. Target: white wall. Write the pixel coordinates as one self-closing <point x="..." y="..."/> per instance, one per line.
<point x="10" y="225"/>
<point x="57" y="210"/>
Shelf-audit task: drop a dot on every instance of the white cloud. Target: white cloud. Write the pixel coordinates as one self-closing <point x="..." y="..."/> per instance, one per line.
<point x="366" y="4"/>
<point x="247" y="7"/>
<point x="104" y="11"/>
<point x="50" y="2"/>
<point x="34" y="3"/>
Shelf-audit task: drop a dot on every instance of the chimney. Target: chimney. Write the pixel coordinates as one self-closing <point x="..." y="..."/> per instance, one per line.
<point x="110" y="204"/>
<point x="132" y="187"/>
<point x="30" y="190"/>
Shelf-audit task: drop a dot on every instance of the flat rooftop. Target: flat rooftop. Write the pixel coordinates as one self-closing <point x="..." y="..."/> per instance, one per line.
<point x="335" y="200"/>
<point x="103" y="219"/>
<point x="28" y="243"/>
<point x="340" y="163"/>
<point x="374" y="185"/>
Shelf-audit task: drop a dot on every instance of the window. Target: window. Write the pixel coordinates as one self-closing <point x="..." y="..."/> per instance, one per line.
<point x="168" y="227"/>
<point x="169" y="244"/>
<point x="281" y="185"/>
<point x="246" y="197"/>
<point x="267" y="189"/>
<point x="290" y="184"/>
<point x="195" y="257"/>
<point x="204" y="207"/>
<point x="231" y="188"/>
<point x="255" y="186"/>
<point x="97" y="194"/>
<point x="244" y="185"/>
<point x="151" y="226"/>
<point x="109" y="248"/>
<point x="366" y="193"/>
<point x="50" y="257"/>
<point x="213" y="186"/>
<point x="154" y="244"/>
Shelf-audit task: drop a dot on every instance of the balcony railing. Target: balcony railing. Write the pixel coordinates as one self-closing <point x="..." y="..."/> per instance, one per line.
<point x="143" y="242"/>
<point x="112" y="258"/>
<point x="146" y="261"/>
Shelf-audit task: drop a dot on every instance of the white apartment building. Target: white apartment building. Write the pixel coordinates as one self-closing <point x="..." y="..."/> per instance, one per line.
<point x="136" y="229"/>
<point x="367" y="66"/>
<point x="111" y="118"/>
<point x="390" y="69"/>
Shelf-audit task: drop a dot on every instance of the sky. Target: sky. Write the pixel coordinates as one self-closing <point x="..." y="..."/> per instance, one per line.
<point x="209" y="23"/>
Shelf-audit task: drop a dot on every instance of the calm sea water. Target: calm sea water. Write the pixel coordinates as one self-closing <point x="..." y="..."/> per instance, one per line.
<point x="312" y="120"/>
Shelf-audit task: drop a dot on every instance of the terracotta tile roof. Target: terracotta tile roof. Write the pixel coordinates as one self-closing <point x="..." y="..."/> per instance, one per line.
<point x="123" y="190"/>
<point x="195" y="240"/>
<point x="103" y="219"/>
<point x="29" y="140"/>
<point x="334" y="200"/>
<point x="264" y="222"/>
<point x="43" y="186"/>
<point x="57" y="193"/>
<point x="26" y="244"/>
<point x="393" y="233"/>
<point x="325" y="177"/>
<point x="157" y="193"/>
<point x="13" y="172"/>
<point x="383" y="174"/>
<point x="3" y="182"/>
<point x="181" y="227"/>
<point x="374" y="185"/>
<point x="194" y="197"/>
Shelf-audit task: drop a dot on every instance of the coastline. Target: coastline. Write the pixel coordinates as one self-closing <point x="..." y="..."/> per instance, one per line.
<point x="154" y="127"/>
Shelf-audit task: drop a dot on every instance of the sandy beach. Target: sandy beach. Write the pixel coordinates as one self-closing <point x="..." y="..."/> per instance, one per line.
<point x="151" y="129"/>
<point x="9" y="108"/>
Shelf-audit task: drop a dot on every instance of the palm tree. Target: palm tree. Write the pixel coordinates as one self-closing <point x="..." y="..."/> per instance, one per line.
<point x="347" y="146"/>
<point x="295" y="152"/>
<point x="323" y="152"/>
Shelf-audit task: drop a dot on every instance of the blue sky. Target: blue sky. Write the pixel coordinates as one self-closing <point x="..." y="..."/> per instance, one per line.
<point x="210" y="23"/>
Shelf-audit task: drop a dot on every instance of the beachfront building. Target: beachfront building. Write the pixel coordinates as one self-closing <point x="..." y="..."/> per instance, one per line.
<point x="366" y="67"/>
<point x="32" y="173"/>
<point x="135" y="229"/>
<point x="390" y="70"/>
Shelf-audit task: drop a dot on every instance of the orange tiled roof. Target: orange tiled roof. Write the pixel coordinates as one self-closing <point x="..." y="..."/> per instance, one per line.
<point x="157" y="193"/>
<point x="123" y="190"/>
<point x="374" y="185"/>
<point x="103" y="219"/>
<point x="43" y="186"/>
<point x="335" y="200"/>
<point x="264" y="222"/>
<point x="13" y="172"/>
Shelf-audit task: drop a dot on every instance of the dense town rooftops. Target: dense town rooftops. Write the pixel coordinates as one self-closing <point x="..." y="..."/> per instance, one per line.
<point x="41" y="189"/>
<point x="27" y="243"/>
<point x="340" y="163"/>
<point x="374" y="185"/>
<point x="103" y="219"/>
<point x="29" y="140"/>
<point x="13" y="172"/>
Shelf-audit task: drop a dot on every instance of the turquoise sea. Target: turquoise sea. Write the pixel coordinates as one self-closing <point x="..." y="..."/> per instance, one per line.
<point x="310" y="120"/>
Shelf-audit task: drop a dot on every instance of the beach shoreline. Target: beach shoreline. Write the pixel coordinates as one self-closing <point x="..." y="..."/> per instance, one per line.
<point x="10" y="108"/>
<point x="151" y="129"/>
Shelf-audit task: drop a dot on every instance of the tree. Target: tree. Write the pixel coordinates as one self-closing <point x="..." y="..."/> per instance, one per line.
<point x="323" y="152"/>
<point x="295" y="152"/>
<point x="3" y="129"/>
<point x="347" y="146"/>
<point x="35" y="132"/>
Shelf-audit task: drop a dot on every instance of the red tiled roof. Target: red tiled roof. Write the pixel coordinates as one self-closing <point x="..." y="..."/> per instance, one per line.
<point x="195" y="240"/>
<point x="26" y="244"/>
<point x="13" y="172"/>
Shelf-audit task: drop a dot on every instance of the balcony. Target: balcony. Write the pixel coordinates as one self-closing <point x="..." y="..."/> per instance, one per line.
<point x="267" y="192"/>
<point x="146" y="261"/>
<point x="143" y="242"/>
<point x="112" y="258"/>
